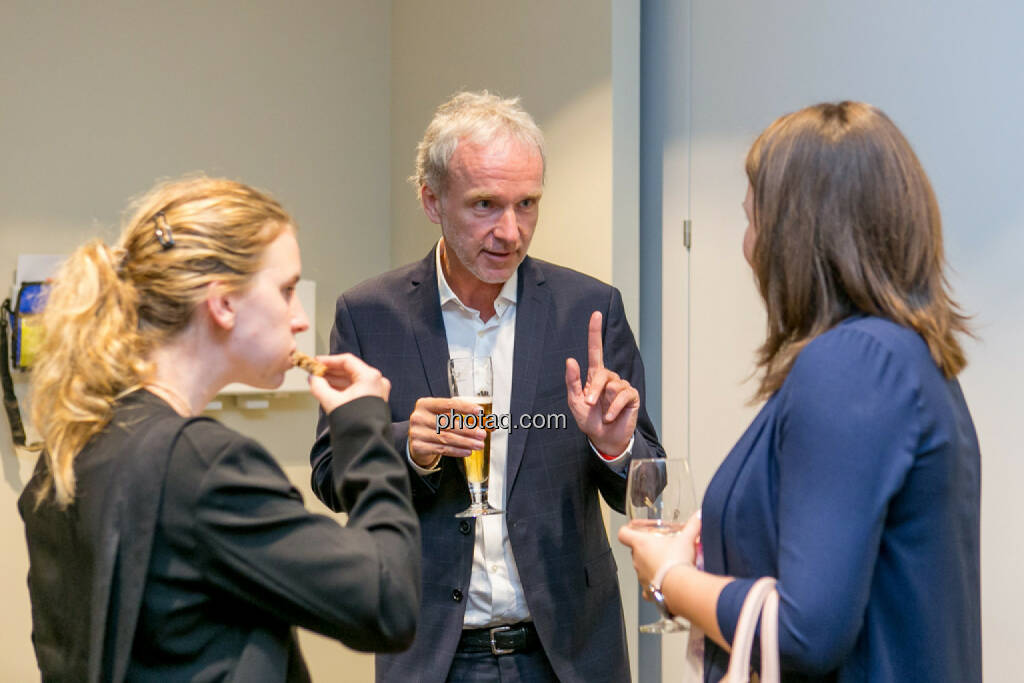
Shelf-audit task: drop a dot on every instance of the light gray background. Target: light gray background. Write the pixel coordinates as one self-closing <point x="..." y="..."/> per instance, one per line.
<point x="946" y="73"/>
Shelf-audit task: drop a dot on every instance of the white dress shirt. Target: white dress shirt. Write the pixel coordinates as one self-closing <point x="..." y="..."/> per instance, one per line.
<point x="495" y="593"/>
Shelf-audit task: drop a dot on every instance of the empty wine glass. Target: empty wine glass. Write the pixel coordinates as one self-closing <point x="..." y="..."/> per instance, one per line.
<point x="660" y="499"/>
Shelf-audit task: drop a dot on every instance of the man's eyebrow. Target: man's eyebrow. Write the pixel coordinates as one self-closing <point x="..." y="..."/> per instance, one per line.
<point x="482" y="194"/>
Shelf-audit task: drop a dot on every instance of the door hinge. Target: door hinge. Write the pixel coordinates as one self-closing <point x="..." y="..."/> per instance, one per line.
<point x="687" y="235"/>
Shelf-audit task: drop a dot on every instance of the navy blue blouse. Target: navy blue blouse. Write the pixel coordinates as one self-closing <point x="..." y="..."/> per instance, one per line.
<point x="858" y="487"/>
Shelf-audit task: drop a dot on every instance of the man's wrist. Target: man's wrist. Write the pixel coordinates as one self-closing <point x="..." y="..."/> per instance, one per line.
<point x="434" y="466"/>
<point x="613" y="455"/>
<point x="609" y="455"/>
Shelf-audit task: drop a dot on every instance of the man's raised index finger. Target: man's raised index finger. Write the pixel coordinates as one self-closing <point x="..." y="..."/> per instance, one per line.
<point x="595" y="347"/>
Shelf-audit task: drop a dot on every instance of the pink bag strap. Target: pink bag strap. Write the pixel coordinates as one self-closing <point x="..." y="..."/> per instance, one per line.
<point x="763" y="600"/>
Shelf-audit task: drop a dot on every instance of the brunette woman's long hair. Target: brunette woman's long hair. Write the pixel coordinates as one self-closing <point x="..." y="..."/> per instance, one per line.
<point x="846" y="223"/>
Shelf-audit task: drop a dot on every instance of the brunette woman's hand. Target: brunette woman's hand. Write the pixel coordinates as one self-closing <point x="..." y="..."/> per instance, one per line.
<point x="651" y="550"/>
<point x="347" y="378"/>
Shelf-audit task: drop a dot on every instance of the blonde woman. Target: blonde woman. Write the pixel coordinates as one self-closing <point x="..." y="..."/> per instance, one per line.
<point x="858" y="483"/>
<point x="163" y="545"/>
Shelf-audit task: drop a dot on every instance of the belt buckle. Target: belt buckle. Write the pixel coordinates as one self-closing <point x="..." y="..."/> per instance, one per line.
<point x="495" y="650"/>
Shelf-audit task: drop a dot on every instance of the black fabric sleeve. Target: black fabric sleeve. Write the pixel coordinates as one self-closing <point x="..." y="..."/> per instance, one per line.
<point x="344" y="339"/>
<point x="256" y="541"/>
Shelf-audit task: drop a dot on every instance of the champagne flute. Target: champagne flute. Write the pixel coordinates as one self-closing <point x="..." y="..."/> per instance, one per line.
<point x="470" y="379"/>
<point x="660" y="499"/>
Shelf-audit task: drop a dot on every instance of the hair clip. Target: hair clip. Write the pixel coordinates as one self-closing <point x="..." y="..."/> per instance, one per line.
<point x="163" y="232"/>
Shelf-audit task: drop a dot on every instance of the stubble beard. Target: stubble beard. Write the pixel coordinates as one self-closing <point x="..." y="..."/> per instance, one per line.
<point x="453" y="253"/>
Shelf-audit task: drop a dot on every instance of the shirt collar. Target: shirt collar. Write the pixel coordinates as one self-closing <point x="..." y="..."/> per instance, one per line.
<point x="506" y="297"/>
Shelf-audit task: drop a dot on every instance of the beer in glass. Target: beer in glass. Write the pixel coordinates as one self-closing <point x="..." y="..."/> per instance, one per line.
<point x="471" y="380"/>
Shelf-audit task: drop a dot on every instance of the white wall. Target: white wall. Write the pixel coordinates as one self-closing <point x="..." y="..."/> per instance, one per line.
<point x="945" y="77"/>
<point x="102" y="99"/>
<point x="556" y="56"/>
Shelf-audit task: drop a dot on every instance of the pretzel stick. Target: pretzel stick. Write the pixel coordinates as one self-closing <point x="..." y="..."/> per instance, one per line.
<point x="308" y="363"/>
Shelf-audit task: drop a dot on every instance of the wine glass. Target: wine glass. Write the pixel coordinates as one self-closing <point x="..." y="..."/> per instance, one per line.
<point x="660" y="499"/>
<point x="470" y="379"/>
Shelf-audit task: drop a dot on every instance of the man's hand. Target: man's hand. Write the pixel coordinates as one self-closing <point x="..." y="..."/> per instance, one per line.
<point x="347" y="378"/>
<point x="427" y="444"/>
<point x="607" y="407"/>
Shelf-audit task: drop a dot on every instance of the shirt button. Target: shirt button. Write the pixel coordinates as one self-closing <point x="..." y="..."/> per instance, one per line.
<point x="494" y="568"/>
<point x="457" y="595"/>
<point x="464" y="526"/>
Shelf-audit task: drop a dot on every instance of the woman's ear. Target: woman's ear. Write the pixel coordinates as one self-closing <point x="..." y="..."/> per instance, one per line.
<point x="220" y="304"/>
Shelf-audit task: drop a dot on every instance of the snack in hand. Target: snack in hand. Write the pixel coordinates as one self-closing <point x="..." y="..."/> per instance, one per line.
<point x="308" y="363"/>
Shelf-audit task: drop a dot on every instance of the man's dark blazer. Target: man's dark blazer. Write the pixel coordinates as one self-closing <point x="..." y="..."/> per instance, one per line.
<point x="553" y="477"/>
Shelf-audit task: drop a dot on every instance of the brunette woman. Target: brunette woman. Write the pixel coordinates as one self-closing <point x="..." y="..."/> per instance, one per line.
<point x="857" y="485"/>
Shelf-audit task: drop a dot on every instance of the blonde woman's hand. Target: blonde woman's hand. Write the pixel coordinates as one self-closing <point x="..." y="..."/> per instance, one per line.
<point x="347" y="378"/>
<point x="650" y="550"/>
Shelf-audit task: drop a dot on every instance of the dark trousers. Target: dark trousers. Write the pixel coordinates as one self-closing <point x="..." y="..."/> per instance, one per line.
<point x="484" y="667"/>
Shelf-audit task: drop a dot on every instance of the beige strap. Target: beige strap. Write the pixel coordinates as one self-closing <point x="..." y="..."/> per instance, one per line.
<point x="763" y="600"/>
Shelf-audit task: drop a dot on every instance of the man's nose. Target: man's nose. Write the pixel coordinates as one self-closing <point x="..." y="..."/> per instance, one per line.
<point x="507" y="228"/>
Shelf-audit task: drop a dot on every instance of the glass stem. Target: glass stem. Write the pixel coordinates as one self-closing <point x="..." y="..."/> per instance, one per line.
<point x="478" y="492"/>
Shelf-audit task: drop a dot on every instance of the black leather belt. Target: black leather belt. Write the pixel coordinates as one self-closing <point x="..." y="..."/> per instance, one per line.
<point x="500" y="640"/>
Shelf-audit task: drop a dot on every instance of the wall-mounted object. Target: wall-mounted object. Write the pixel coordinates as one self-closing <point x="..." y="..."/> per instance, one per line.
<point x="19" y="319"/>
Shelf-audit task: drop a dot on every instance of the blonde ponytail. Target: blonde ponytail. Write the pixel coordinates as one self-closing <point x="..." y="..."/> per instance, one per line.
<point x="110" y="306"/>
<point x="90" y="355"/>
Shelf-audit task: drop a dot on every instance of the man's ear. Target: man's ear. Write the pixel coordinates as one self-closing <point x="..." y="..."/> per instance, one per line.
<point x="431" y="202"/>
<point x="220" y="304"/>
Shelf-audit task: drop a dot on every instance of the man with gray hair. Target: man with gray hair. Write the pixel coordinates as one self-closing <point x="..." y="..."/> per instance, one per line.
<point x="529" y="594"/>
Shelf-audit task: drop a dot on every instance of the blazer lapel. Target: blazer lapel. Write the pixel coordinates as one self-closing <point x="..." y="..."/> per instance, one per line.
<point x="428" y="326"/>
<point x="532" y="313"/>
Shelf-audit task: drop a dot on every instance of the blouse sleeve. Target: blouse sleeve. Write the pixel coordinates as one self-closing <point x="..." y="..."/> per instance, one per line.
<point x="845" y="444"/>
<point x="256" y="540"/>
